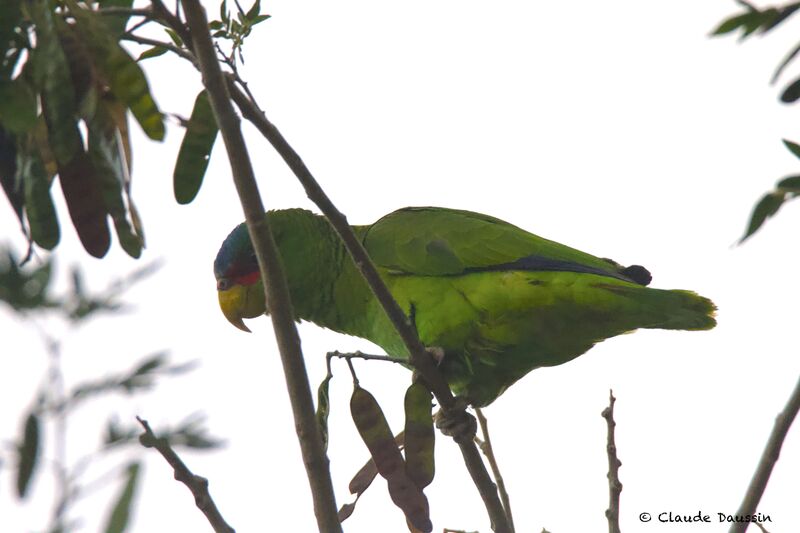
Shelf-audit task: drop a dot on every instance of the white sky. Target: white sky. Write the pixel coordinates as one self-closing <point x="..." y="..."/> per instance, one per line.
<point x="618" y="128"/>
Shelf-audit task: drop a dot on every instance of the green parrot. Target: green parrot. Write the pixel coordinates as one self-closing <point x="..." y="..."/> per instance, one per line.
<point x="492" y="300"/>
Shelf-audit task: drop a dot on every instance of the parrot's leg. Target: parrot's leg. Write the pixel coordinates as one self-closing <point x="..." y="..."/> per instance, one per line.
<point x="457" y="423"/>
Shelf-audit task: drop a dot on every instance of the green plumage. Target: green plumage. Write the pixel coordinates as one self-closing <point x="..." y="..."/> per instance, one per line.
<point x="498" y="300"/>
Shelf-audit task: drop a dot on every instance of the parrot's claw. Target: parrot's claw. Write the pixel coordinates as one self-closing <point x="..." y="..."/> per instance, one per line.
<point x="456" y="422"/>
<point x="436" y="353"/>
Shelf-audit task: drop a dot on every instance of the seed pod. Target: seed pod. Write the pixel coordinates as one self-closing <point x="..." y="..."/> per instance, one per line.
<point x="420" y="435"/>
<point x="377" y="435"/>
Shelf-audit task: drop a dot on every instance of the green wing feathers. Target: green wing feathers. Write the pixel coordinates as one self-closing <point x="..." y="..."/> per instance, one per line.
<point x="434" y="241"/>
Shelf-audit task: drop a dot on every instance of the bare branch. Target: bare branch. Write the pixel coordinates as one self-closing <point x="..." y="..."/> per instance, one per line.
<point x="768" y="459"/>
<point x="169" y="46"/>
<point x="614" y="485"/>
<point x="131" y="12"/>
<point x="276" y="289"/>
<point x="488" y="451"/>
<point x="196" y="484"/>
<point x="419" y="357"/>
<point x="364" y="356"/>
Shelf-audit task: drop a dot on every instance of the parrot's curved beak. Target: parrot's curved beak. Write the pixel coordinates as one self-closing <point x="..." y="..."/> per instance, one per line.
<point x="233" y="301"/>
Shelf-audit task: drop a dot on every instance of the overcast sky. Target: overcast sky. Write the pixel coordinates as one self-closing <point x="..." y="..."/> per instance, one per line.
<point x="618" y="128"/>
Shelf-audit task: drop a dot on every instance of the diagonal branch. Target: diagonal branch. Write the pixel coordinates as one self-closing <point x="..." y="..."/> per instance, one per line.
<point x="276" y="289"/>
<point x="768" y="459"/>
<point x="419" y="357"/>
<point x="196" y="484"/>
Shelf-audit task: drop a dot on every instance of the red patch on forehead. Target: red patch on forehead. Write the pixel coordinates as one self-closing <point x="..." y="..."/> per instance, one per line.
<point x="248" y="279"/>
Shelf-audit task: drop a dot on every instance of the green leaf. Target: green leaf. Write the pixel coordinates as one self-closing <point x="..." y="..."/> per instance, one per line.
<point x="223" y="11"/>
<point x="195" y="151"/>
<point x="733" y="23"/>
<point x="792" y="147"/>
<point x="120" y="515"/>
<point x="176" y="39"/>
<point x="28" y="454"/>
<point x="39" y="208"/>
<point x="215" y="25"/>
<point x="260" y="18"/>
<point x="790" y="184"/>
<point x="791" y="93"/>
<point x="17" y="105"/>
<point x="152" y="52"/>
<point x="126" y="79"/>
<point x="764" y="209"/>
<point x="254" y="11"/>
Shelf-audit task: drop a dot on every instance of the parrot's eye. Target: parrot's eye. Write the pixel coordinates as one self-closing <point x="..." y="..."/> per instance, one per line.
<point x="223" y="284"/>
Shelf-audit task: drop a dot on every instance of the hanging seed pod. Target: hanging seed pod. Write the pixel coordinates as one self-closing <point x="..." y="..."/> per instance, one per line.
<point x="420" y="435"/>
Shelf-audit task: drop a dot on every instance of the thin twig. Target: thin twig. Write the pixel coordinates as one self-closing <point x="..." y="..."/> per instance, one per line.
<point x="169" y="46"/>
<point x="768" y="459"/>
<point x="614" y="485"/>
<point x="365" y="356"/>
<point x="488" y="451"/>
<point x="419" y="357"/>
<point x="131" y="12"/>
<point x="196" y="484"/>
<point x="278" y="301"/>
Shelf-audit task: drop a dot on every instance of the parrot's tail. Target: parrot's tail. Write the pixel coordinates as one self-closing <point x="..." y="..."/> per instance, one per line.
<point x="671" y="309"/>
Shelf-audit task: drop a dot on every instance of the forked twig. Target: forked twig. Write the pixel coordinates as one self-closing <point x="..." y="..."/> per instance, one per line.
<point x="614" y="484"/>
<point x="196" y="484"/>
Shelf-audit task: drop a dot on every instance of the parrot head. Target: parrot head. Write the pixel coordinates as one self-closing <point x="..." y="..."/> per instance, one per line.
<point x="239" y="287"/>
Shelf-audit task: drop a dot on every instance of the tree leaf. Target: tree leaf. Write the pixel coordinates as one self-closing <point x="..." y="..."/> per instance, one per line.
<point x="419" y="435"/>
<point x="120" y="514"/>
<point x="789" y="184"/>
<point x="791" y="93"/>
<point x="792" y="147"/>
<point x="254" y="11"/>
<point x="28" y="454"/>
<point x="733" y="23"/>
<point x="126" y="79"/>
<point x="764" y="209"/>
<point x="195" y="151"/>
<point x="152" y="52"/>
